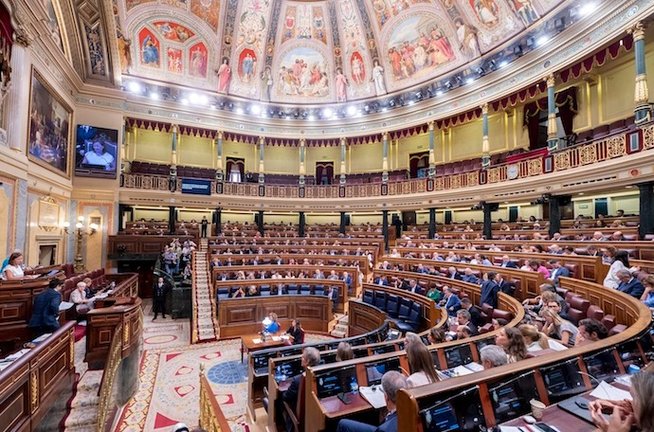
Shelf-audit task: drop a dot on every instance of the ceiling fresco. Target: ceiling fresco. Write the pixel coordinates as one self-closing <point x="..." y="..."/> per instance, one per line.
<point x="312" y="51"/>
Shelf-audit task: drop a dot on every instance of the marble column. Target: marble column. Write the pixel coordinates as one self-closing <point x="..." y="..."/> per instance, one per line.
<point x="552" y="128"/>
<point x="22" y="209"/>
<point x="385" y="228"/>
<point x="124" y="163"/>
<point x="485" y="146"/>
<point x="642" y="109"/>
<point x="302" y="223"/>
<point x="220" y="173"/>
<point x="432" y="156"/>
<point x="217" y="220"/>
<point x="432" y="222"/>
<point x="342" y="179"/>
<point x="260" y="225"/>
<point x="342" y="226"/>
<point x="302" y="156"/>
<point x="262" y="143"/>
<point x="18" y="97"/>
<point x="646" y="209"/>
<point x="172" y="213"/>
<point x="385" y="158"/>
<point x="488" y="220"/>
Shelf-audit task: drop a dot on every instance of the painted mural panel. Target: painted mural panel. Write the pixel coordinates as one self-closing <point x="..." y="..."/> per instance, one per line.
<point x="133" y="3"/>
<point x="174" y="31"/>
<point x="384" y="10"/>
<point x="355" y="50"/>
<point x="207" y="10"/>
<point x="418" y="47"/>
<point x="198" y="60"/>
<point x="302" y="21"/>
<point x="303" y="72"/>
<point x="175" y="63"/>
<point x="492" y="21"/>
<point x="250" y="40"/>
<point x="150" y="49"/>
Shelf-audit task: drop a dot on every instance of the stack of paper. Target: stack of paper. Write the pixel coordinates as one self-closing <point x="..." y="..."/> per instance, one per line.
<point x="374" y="395"/>
<point x="608" y="392"/>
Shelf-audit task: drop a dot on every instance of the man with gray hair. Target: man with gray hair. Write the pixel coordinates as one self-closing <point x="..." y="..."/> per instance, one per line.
<point x="310" y="357"/>
<point x="391" y="382"/>
<point x="492" y="356"/>
<point x="629" y="284"/>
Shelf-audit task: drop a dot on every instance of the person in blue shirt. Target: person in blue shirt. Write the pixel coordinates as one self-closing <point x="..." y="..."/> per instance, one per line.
<point x="270" y="324"/>
<point x="648" y="294"/>
<point x="450" y="301"/>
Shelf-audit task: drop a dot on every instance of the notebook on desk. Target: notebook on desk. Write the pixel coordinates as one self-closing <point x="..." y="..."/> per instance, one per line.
<point x="578" y="406"/>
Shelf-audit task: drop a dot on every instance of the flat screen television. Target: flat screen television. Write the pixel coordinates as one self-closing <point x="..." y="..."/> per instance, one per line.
<point x="375" y="371"/>
<point x="196" y="187"/>
<point x="458" y="356"/>
<point x="562" y="380"/>
<point x="602" y="366"/>
<point x="96" y="152"/>
<point x="288" y="369"/>
<point x="510" y="398"/>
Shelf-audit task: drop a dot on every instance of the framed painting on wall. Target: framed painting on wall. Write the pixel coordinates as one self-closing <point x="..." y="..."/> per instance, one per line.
<point x="48" y="218"/>
<point x="48" y="127"/>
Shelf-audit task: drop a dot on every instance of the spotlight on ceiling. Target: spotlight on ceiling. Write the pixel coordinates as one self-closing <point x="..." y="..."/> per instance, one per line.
<point x="239" y="111"/>
<point x="135" y="87"/>
<point x="327" y="113"/>
<point x="311" y="117"/>
<point x="391" y="103"/>
<point x="503" y="63"/>
<point x="351" y="110"/>
<point x="470" y="80"/>
<point x="439" y="92"/>
<point x="542" y="40"/>
<point x="154" y="95"/>
<point x="255" y="109"/>
<point x="587" y="8"/>
<point x="184" y="101"/>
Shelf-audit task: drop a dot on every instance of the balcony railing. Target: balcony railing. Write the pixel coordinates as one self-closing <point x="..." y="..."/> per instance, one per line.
<point x="609" y="147"/>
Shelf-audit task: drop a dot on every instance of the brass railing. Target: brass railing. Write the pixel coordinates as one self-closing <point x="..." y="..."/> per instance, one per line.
<point x="212" y="418"/>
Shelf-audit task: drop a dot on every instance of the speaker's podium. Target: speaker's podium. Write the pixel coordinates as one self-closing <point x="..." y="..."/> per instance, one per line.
<point x="111" y="315"/>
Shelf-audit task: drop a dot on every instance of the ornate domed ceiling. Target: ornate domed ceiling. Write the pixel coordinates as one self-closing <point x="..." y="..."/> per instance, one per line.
<point x="313" y="52"/>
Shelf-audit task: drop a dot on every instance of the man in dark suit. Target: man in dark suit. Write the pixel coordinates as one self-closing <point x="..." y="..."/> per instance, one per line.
<point x="204" y="224"/>
<point x="558" y="270"/>
<point x="161" y="289"/>
<point x="507" y="263"/>
<point x="310" y="358"/>
<point x="391" y="382"/>
<point x="629" y="284"/>
<point x="489" y="290"/>
<point x="506" y="286"/>
<point x="453" y="273"/>
<point x="475" y="313"/>
<point x="45" y="312"/>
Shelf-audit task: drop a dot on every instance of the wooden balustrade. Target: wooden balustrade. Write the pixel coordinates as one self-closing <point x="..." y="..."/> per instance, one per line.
<point x="124" y="247"/>
<point x="212" y="418"/>
<point x="588" y="268"/>
<point x="241" y="316"/>
<point x="362" y="317"/>
<point x="102" y="325"/>
<point x="351" y="250"/>
<point x="35" y="388"/>
<point x="330" y="260"/>
<point x="638" y="249"/>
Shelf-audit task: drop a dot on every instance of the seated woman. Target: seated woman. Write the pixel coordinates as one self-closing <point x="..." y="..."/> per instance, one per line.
<point x="14" y="268"/>
<point x="557" y="327"/>
<point x="537" y="341"/>
<point x="270" y="324"/>
<point x="634" y="415"/>
<point x="421" y="365"/>
<point x="238" y="293"/>
<point x="436" y="335"/>
<point x="344" y="352"/>
<point x="511" y="340"/>
<point x="296" y="332"/>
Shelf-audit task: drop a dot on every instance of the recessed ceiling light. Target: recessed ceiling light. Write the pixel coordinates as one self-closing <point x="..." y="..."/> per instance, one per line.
<point x="542" y="40"/>
<point x="351" y="110"/>
<point x="239" y="110"/>
<point x="439" y="93"/>
<point x="134" y="87"/>
<point x="255" y="109"/>
<point x="327" y="113"/>
<point x="184" y="101"/>
<point x="470" y="80"/>
<point x="587" y="8"/>
<point x="503" y="63"/>
<point x="154" y="96"/>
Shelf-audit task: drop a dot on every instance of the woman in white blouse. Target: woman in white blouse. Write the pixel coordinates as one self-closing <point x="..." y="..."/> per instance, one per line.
<point x="537" y="341"/>
<point x="14" y="269"/>
<point x="620" y="262"/>
<point x="421" y="365"/>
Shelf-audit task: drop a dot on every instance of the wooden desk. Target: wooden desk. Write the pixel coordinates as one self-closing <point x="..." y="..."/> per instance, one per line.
<point x="248" y="344"/>
<point x="560" y="419"/>
<point x="101" y="326"/>
<point x="332" y="407"/>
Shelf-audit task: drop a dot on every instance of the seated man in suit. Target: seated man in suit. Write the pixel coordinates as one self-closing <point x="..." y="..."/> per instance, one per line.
<point x="558" y="270"/>
<point x="391" y="382"/>
<point x="629" y="284"/>
<point x="507" y="263"/>
<point x="475" y="314"/>
<point x="310" y="357"/>
<point x="450" y="301"/>
<point x="463" y="319"/>
<point x="469" y="276"/>
<point x="45" y="312"/>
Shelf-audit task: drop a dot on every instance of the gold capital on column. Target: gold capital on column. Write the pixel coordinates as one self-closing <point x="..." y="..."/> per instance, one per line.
<point x="641" y="92"/>
<point x="552" y="128"/>
<point x="637" y="31"/>
<point x="550" y="80"/>
<point x="174" y="128"/>
<point x="430" y="124"/>
<point x="484" y="108"/>
<point x="219" y="135"/>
